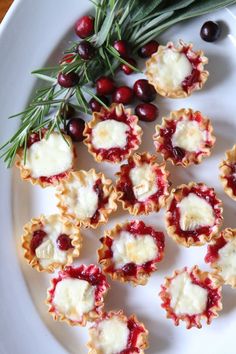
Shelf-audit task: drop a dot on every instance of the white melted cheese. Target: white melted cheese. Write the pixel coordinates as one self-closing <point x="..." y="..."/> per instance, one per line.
<point x="110" y="134"/>
<point x="48" y="252"/>
<point x="186" y="297"/>
<point x="195" y="212"/>
<point x="144" y="181"/>
<point x="49" y="157"/>
<point x="171" y="69"/>
<point x="188" y="136"/>
<point x="74" y="297"/>
<point x="227" y="260"/>
<point x="82" y="199"/>
<point x="129" y="248"/>
<point x="111" y="336"/>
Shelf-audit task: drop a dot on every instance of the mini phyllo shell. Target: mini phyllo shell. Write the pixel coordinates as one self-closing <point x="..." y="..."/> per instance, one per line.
<point x="185" y="137"/>
<point x="48" y="160"/>
<point x="221" y="255"/>
<point x="130" y="252"/>
<point x="228" y="173"/>
<point x="142" y="184"/>
<point x="50" y="242"/>
<point x="177" y="71"/>
<point x="191" y="295"/>
<point x="86" y="198"/>
<point x="114" y="333"/>
<point x="112" y="134"/>
<point x="77" y="294"/>
<point x="194" y="214"/>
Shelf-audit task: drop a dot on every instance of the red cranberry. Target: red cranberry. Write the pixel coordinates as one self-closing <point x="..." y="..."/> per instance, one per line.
<point x="105" y="85"/>
<point x="36" y="240"/>
<point x="95" y="105"/>
<point x="148" y="49"/>
<point x="68" y="111"/>
<point x="86" y="50"/>
<point x="122" y="47"/>
<point x="123" y="94"/>
<point x="127" y="69"/>
<point x="68" y="80"/>
<point x="210" y="31"/>
<point x="33" y="138"/>
<point x="144" y="91"/>
<point x="64" y="242"/>
<point x="84" y="27"/>
<point x="178" y="153"/>
<point x="129" y="269"/>
<point x="147" y="112"/>
<point x="75" y="128"/>
<point x="68" y="58"/>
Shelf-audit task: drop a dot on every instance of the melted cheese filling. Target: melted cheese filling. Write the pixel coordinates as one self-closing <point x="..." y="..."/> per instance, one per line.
<point x="74" y="297"/>
<point x="186" y="297"/>
<point x="130" y="248"/>
<point x="48" y="252"/>
<point x="227" y="260"/>
<point x="195" y="212"/>
<point x="110" y="134"/>
<point x="171" y="69"/>
<point x="188" y="136"/>
<point x="111" y="336"/>
<point x="49" y="157"/>
<point x="82" y="199"/>
<point x="144" y="181"/>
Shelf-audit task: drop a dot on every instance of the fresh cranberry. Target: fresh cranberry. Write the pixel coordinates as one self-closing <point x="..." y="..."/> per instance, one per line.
<point x="64" y="242"/>
<point x="36" y="240"/>
<point x="96" y="106"/>
<point x="68" y="111"/>
<point x="86" y="50"/>
<point x="122" y="47"/>
<point x="68" y="58"/>
<point x="127" y="69"/>
<point x="147" y="112"/>
<point x="84" y="27"/>
<point x="210" y="31"/>
<point x="105" y="85"/>
<point x="129" y="269"/>
<point x="75" y="128"/>
<point x="68" y="80"/>
<point x="33" y="138"/>
<point x="144" y="91"/>
<point x="148" y="49"/>
<point x="123" y="94"/>
<point x="178" y="153"/>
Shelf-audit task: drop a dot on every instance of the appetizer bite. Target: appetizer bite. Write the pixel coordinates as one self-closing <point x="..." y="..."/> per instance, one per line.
<point x="228" y="173"/>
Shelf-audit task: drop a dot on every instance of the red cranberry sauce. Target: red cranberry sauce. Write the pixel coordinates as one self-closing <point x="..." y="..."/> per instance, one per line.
<point x="166" y="134"/>
<point x="132" y="139"/>
<point x="213" y="250"/>
<point x="64" y="242"/>
<point x="191" y="80"/>
<point x="135" y="329"/>
<point x="37" y="239"/>
<point x="53" y="179"/>
<point x="35" y="137"/>
<point x="137" y="228"/>
<point x="125" y="185"/>
<point x="102" y="201"/>
<point x="209" y="196"/>
<point x="231" y="178"/>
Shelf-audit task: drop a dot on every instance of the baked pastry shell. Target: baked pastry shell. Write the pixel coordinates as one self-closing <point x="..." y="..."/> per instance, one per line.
<point x="225" y="171"/>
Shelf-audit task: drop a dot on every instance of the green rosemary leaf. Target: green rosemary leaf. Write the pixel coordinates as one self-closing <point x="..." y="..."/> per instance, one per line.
<point x="106" y="27"/>
<point x="145" y="8"/>
<point x="92" y="94"/>
<point x="114" y="52"/>
<point x="45" y="77"/>
<point x="80" y="98"/>
<point x="48" y="69"/>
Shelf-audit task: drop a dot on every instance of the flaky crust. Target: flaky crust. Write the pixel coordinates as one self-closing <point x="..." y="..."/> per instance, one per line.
<point x="86" y="317"/>
<point x="171" y="229"/>
<point x="179" y="92"/>
<point x="142" y="340"/>
<point x="191" y="157"/>
<point x="25" y="173"/>
<point x="213" y="282"/>
<point x="228" y="234"/>
<point x="108" y="191"/>
<point x="37" y="224"/>
<point x="225" y="171"/>
<point x="96" y="118"/>
<point x="150" y="206"/>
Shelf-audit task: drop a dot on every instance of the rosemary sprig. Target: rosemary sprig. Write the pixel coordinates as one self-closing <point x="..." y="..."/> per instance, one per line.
<point x="136" y="21"/>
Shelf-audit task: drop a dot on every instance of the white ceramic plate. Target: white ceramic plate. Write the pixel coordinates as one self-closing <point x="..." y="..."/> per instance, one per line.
<point x="33" y="33"/>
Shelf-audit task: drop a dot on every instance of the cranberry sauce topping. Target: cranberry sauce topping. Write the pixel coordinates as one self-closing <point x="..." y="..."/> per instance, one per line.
<point x="117" y="153"/>
<point x="191" y="80"/>
<point x="137" y="228"/>
<point x="37" y="239"/>
<point x="209" y="196"/>
<point x="135" y="329"/>
<point x="231" y="178"/>
<point x="53" y="179"/>
<point x="102" y="201"/>
<point x="64" y="242"/>
<point x="124" y="184"/>
<point x="213" y="250"/>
